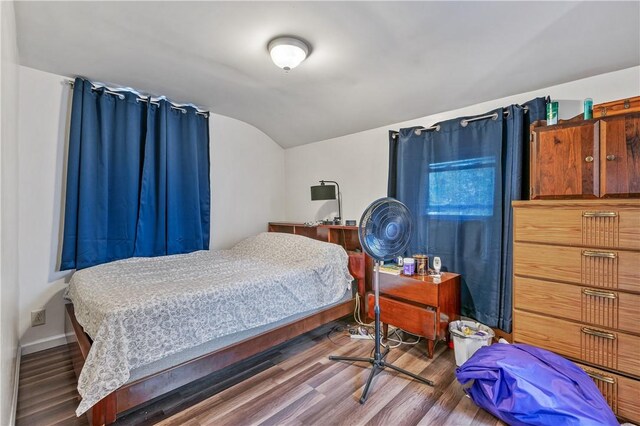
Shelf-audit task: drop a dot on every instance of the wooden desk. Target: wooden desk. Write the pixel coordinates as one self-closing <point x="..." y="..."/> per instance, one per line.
<point x="419" y="305"/>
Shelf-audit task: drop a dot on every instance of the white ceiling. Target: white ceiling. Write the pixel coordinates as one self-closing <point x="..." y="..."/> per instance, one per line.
<point x="372" y="63"/>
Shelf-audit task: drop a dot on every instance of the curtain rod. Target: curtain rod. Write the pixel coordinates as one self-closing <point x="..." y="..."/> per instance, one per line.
<point x="418" y="131"/>
<point x="140" y="98"/>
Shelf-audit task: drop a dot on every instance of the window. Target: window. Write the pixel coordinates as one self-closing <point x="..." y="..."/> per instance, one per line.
<point x="461" y="188"/>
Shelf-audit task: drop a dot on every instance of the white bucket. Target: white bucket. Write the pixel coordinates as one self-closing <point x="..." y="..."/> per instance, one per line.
<point x="468" y="337"/>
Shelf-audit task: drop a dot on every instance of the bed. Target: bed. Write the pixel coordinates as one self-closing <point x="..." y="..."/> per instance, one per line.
<point x="145" y="326"/>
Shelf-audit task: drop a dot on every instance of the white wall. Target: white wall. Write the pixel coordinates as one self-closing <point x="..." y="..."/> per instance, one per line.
<point x="247" y="177"/>
<point x="359" y="162"/>
<point x="44" y="105"/>
<point x="247" y="181"/>
<point x="8" y="208"/>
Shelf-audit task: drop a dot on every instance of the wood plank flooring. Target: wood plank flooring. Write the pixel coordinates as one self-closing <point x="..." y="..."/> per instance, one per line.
<point x="47" y="392"/>
<point x="292" y="384"/>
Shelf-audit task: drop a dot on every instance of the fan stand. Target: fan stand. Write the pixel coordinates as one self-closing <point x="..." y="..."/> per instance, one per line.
<point x="377" y="362"/>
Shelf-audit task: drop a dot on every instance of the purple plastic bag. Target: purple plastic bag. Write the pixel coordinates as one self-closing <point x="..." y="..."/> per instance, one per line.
<point x="525" y="385"/>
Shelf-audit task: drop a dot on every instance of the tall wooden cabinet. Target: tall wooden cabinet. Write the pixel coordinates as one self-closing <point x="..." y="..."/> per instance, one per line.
<point x="586" y="159"/>
<point x="576" y="289"/>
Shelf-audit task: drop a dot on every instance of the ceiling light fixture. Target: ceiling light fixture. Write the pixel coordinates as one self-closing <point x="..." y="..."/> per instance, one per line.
<point x="288" y="52"/>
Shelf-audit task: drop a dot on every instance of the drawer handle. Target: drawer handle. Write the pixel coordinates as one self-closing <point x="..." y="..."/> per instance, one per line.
<point x="606" y="254"/>
<point x="589" y="159"/>
<point x="601" y="377"/>
<point x="598" y="333"/>
<point x="597" y="293"/>
<point x="599" y="214"/>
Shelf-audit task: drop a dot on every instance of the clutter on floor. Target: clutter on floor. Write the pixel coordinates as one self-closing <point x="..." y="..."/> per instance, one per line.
<point x="468" y="337"/>
<point x="525" y="385"/>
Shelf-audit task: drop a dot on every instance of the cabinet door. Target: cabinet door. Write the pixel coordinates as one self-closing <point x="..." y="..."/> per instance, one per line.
<point x="620" y="156"/>
<point x="564" y="161"/>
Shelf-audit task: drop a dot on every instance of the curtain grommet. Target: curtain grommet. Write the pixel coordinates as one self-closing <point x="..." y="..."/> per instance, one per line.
<point x="419" y="130"/>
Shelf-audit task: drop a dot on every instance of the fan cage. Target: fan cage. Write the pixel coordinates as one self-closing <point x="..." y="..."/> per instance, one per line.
<point x="385" y="229"/>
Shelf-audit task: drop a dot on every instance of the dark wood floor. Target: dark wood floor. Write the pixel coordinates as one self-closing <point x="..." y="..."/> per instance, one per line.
<point x="47" y="392"/>
<point x="294" y="384"/>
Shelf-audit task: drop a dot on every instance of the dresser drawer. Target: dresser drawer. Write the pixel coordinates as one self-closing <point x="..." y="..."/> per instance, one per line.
<point x="606" y="348"/>
<point x="410" y="288"/>
<point x="594" y="225"/>
<point x="611" y="269"/>
<point x="604" y="308"/>
<point x="621" y="393"/>
<point x="414" y="319"/>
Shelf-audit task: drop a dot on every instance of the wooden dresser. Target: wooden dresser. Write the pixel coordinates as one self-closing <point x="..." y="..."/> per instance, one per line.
<point x="420" y="304"/>
<point x="576" y="289"/>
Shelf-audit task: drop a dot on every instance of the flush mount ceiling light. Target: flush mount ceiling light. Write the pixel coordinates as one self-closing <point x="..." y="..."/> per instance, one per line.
<point x="288" y="52"/>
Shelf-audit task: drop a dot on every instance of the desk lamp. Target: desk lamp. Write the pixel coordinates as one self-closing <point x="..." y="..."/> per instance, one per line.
<point x="328" y="192"/>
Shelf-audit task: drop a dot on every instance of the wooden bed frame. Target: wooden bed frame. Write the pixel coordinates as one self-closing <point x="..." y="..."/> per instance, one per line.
<point x="145" y="389"/>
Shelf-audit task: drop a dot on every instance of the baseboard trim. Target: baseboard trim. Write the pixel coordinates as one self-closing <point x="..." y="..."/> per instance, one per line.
<point x="42" y="344"/>
<point x="16" y="384"/>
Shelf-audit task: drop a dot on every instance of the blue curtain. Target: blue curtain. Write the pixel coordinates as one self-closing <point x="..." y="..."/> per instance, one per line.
<point x="458" y="181"/>
<point x="137" y="179"/>
<point x="174" y="198"/>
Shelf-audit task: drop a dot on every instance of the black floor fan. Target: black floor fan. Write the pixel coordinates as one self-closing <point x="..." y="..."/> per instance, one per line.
<point x="385" y="231"/>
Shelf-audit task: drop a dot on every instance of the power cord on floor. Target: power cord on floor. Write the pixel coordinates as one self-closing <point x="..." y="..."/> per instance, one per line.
<point x="393" y="331"/>
<point x="337" y="329"/>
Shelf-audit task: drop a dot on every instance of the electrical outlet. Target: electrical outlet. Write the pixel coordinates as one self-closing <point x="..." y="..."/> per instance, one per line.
<point x="38" y="317"/>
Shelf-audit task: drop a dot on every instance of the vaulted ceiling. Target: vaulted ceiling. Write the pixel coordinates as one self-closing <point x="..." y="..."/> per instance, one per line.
<point x="371" y="64"/>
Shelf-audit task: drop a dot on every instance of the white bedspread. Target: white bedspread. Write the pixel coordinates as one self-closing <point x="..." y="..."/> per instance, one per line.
<point x="142" y="309"/>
